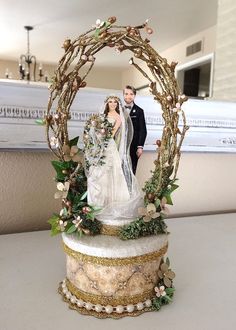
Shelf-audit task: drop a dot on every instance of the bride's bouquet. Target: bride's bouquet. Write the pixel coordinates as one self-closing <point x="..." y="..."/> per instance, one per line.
<point x="97" y="133"/>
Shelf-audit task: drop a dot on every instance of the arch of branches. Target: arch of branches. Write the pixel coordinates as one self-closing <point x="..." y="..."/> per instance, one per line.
<point x="80" y="56"/>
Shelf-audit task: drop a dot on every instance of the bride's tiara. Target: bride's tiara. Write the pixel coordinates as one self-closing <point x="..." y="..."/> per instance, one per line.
<point x="112" y="97"/>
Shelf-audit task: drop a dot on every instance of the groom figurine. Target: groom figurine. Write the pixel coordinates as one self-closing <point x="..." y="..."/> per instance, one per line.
<point x="139" y="125"/>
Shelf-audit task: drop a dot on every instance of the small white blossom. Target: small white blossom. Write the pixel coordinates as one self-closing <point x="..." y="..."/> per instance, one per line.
<point x="149" y="212"/>
<point x="77" y="221"/>
<point x="99" y="24"/>
<point x="131" y="61"/>
<point x="63" y="190"/>
<point x="160" y="292"/>
<point x="62" y="225"/>
<point x="54" y="142"/>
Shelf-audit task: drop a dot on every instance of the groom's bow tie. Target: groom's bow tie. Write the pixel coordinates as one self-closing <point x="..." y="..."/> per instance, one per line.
<point x="128" y="107"/>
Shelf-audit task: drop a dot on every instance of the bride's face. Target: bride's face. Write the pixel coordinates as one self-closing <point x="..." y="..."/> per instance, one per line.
<point x="112" y="104"/>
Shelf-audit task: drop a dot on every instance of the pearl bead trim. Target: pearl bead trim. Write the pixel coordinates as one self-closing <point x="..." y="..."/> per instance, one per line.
<point x="104" y="309"/>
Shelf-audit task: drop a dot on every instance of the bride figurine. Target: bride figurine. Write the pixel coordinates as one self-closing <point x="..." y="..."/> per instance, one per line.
<point x="112" y="186"/>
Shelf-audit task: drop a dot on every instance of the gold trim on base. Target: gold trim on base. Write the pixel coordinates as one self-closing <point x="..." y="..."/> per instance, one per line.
<point x="110" y="230"/>
<point x="101" y="315"/>
<point x="103" y="300"/>
<point x="115" y="261"/>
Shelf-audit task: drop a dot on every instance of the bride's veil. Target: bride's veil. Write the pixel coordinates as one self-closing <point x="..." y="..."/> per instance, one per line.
<point x="124" y="151"/>
<point x="127" y="210"/>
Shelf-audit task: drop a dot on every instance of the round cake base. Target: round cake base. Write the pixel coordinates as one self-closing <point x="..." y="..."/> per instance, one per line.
<point x="108" y="277"/>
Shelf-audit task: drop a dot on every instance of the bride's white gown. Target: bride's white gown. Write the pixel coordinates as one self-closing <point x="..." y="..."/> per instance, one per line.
<point x="106" y="183"/>
<point x="108" y="188"/>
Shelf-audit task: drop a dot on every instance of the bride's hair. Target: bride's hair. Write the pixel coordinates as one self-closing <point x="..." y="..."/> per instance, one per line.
<point x="106" y="110"/>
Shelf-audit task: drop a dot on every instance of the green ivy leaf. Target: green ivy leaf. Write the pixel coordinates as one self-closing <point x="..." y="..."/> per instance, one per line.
<point x="96" y="33"/>
<point x="170" y="291"/>
<point x="173" y="187"/>
<point x="71" y="229"/>
<point x="55" y="231"/>
<point x="90" y="216"/>
<point x="156" y="303"/>
<point x="74" y="141"/>
<point x="40" y="122"/>
<point x="168" y="262"/>
<point x="166" y="299"/>
<point x="70" y="196"/>
<point x="95" y="208"/>
<point x="59" y="167"/>
<point x="53" y="219"/>
<point x="168" y="199"/>
<point x="79" y="233"/>
<point x="84" y="195"/>
<point x="78" y="207"/>
<point x="157" y="202"/>
<point x="107" y="24"/>
<point x="77" y="199"/>
<point x="65" y="211"/>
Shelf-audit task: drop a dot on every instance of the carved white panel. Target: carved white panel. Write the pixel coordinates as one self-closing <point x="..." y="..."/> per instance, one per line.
<point x="212" y="124"/>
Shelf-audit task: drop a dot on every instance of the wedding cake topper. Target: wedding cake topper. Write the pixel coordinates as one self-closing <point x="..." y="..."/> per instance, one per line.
<point x="100" y="194"/>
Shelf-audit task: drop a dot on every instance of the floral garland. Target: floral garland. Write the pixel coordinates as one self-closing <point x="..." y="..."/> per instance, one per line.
<point x="151" y="219"/>
<point x="97" y="133"/>
<point x="76" y="216"/>
<point x="165" y="90"/>
<point x="164" y="290"/>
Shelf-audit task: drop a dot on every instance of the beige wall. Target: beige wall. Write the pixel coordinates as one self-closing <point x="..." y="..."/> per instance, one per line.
<point x="27" y="187"/>
<point x="178" y="52"/>
<point x="225" y="60"/>
<point x="175" y="53"/>
<point x="26" y="190"/>
<point x="107" y="78"/>
<point x="99" y="77"/>
<point x="206" y="182"/>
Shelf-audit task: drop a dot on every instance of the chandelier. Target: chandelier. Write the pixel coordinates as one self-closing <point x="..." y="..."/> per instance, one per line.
<point x="28" y="63"/>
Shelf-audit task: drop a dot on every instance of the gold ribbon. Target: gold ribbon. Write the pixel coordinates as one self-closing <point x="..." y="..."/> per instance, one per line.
<point x="110" y="230"/>
<point x="115" y="261"/>
<point x="110" y="300"/>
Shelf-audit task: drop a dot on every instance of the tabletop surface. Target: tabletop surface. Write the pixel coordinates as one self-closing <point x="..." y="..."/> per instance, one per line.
<point x="201" y="252"/>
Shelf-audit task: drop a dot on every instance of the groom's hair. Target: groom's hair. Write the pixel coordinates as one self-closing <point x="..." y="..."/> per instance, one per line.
<point x="130" y="87"/>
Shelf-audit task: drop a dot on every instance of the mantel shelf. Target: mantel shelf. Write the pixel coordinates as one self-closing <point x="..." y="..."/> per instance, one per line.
<point x="212" y="123"/>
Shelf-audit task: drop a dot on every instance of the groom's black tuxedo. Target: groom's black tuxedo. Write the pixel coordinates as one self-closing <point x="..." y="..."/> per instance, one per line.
<point x="140" y="133"/>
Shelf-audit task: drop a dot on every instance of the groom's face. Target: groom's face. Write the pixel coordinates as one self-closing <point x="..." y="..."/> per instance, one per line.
<point x="128" y="96"/>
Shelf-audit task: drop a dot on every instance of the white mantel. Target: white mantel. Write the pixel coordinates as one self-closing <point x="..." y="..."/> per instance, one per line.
<point x="212" y="123"/>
